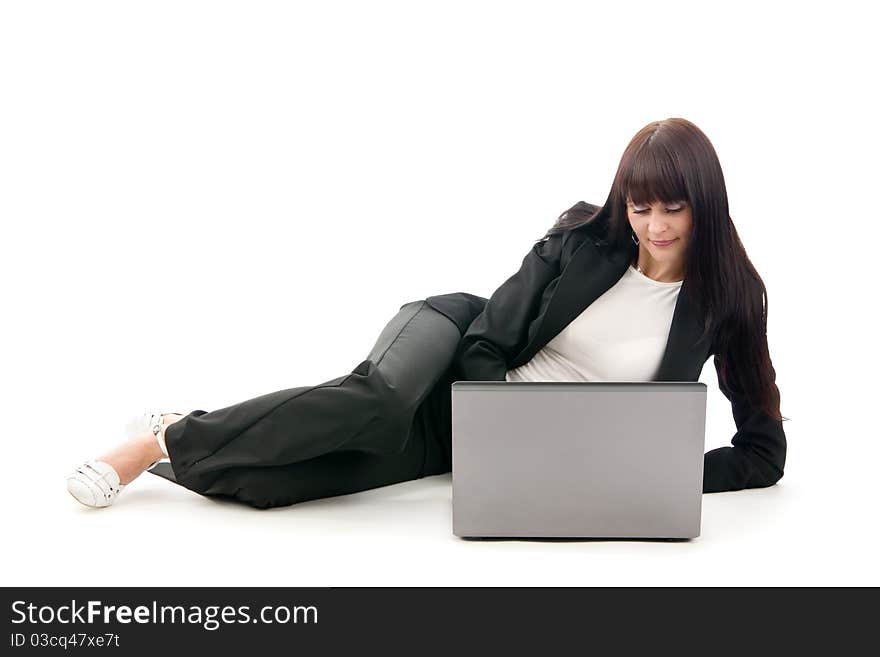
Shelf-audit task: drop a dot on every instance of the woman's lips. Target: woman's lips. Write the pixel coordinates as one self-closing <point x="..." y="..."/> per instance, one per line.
<point x="666" y="243"/>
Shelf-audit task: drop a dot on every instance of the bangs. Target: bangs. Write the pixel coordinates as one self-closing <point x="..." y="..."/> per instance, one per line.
<point x="653" y="177"/>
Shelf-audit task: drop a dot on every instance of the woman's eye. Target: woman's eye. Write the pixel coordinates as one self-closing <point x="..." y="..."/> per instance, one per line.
<point x="667" y="209"/>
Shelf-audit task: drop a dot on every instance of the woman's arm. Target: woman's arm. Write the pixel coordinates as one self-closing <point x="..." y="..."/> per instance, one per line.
<point x="757" y="457"/>
<point x="500" y="332"/>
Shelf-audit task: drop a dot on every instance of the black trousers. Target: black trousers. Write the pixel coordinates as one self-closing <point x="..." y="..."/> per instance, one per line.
<point x="387" y="421"/>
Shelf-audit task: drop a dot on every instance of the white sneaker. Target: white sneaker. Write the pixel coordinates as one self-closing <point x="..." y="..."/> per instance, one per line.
<point x="150" y="422"/>
<point x="95" y="484"/>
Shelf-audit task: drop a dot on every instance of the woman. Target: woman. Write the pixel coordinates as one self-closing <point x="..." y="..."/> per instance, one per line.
<point x="643" y="288"/>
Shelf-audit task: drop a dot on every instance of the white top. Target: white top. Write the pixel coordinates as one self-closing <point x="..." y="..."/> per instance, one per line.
<point x="621" y="336"/>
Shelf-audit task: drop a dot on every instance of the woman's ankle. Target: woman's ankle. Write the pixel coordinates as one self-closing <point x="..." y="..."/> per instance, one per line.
<point x="167" y="420"/>
<point x="133" y="457"/>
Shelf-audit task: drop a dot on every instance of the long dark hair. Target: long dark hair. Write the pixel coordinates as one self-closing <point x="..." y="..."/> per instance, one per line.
<point x="672" y="160"/>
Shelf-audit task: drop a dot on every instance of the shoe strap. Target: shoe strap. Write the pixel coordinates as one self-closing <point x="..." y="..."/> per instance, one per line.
<point x="103" y="476"/>
<point x="157" y="427"/>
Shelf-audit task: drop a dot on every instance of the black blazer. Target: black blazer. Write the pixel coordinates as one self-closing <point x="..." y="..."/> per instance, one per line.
<point x="562" y="275"/>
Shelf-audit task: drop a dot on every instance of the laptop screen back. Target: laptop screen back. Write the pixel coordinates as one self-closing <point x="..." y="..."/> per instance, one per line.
<point x="578" y="459"/>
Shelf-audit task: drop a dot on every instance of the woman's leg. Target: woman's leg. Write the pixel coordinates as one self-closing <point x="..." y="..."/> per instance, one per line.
<point x="335" y="473"/>
<point x="136" y="454"/>
<point x="348" y="434"/>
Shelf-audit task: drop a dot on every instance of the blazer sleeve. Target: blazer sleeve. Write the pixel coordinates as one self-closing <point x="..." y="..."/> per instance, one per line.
<point x="757" y="456"/>
<point x="500" y="331"/>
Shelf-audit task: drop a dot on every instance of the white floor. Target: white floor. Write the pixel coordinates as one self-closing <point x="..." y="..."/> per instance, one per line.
<point x="72" y="390"/>
<point x="161" y="534"/>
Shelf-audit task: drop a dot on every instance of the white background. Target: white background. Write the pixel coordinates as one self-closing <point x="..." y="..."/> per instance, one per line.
<point x="206" y="201"/>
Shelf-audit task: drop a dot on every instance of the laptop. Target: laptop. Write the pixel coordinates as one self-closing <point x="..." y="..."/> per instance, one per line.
<point x="577" y="459"/>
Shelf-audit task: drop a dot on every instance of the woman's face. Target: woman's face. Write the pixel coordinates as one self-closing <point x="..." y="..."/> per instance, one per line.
<point x="663" y="229"/>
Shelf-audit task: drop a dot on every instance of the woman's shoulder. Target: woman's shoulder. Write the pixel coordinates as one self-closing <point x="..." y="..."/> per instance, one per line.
<point x="595" y="231"/>
<point x="580" y="223"/>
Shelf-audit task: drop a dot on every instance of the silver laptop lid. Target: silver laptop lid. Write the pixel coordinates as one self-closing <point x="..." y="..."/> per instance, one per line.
<point x="611" y="459"/>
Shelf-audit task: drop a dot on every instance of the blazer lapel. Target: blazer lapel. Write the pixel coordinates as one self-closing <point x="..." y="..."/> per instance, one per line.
<point x="684" y="356"/>
<point x="592" y="271"/>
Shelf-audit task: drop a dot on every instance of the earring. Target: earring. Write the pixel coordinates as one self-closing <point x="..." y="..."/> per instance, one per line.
<point x="634" y="238"/>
